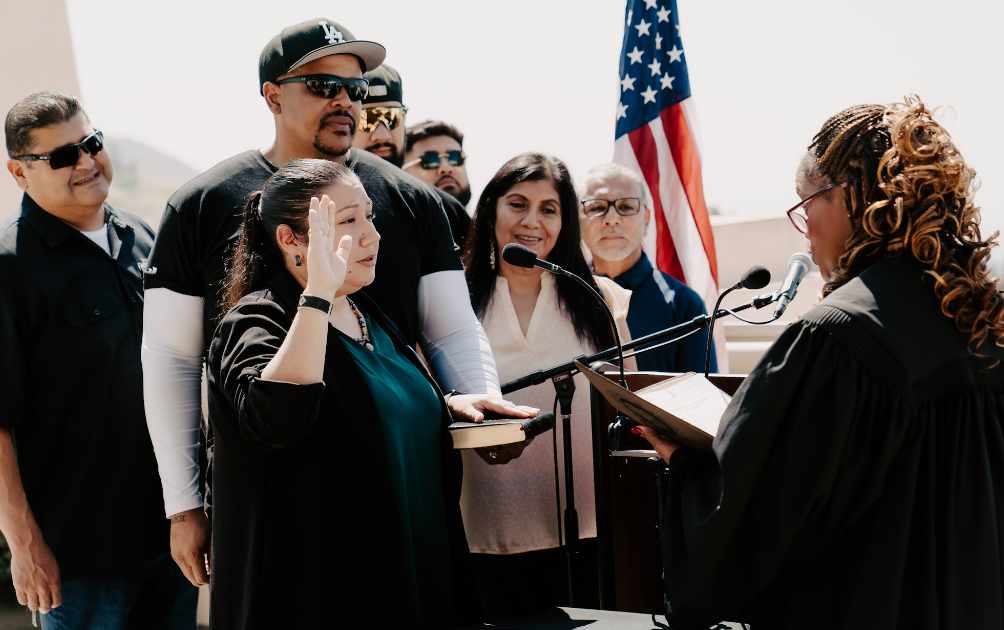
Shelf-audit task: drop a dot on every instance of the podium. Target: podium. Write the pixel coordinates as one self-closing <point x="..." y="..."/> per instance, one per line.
<point x="630" y="558"/>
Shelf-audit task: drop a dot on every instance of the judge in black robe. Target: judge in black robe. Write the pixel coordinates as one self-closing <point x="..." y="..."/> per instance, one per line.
<point x="857" y="479"/>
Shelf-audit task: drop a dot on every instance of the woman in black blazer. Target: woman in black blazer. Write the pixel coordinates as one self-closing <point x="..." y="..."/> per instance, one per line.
<point x="336" y="488"/>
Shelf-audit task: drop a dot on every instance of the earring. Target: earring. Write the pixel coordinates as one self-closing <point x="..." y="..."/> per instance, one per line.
<point x="491" y="253"/>
<point x="297" y="259"/>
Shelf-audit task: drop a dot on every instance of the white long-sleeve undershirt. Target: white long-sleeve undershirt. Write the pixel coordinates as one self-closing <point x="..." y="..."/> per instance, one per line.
<point x="451" y="338"/>
<point x="173" y="350"/>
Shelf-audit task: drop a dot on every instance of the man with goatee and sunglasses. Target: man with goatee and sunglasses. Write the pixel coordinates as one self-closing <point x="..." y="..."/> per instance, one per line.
<point x="311" y="79"/>
<point x="382" y="133"/>
<point x="79" y="500"/>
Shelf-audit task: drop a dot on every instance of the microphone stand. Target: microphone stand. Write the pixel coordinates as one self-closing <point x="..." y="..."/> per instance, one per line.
<point x="564" y="387"/>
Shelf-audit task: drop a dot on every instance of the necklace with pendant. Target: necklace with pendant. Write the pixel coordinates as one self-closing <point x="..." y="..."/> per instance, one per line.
<point x="365" y="339"/>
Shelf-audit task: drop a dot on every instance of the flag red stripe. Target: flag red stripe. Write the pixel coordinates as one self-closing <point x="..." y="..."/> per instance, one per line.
<point x="688" y="165"/>
<point x="647" y="154"/>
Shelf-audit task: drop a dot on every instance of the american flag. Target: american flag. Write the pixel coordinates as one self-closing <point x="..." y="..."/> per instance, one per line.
<point x="657" y="136"/>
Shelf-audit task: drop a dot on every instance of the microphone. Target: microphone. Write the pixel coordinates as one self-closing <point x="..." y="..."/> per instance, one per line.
<point x="756" y="277"/>
<point x="521" y="256"/>
<point x="798" y="266"/>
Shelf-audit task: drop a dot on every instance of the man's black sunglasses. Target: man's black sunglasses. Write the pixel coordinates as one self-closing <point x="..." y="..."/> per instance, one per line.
<point x="430" y="159"/>
<point x="69" y="154"/>
<point x="330" y="85"/>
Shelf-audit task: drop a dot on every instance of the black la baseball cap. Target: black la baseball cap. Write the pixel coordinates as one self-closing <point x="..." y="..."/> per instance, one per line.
<point x="385" y="85"/>
<point x="304" y="42"/>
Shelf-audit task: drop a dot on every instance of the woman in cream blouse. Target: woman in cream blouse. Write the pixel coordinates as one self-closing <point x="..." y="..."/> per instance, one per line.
<point x="534" y="320"/>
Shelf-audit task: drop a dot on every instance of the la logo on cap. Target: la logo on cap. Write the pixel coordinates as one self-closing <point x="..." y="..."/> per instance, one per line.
<point x="331" y="34"/>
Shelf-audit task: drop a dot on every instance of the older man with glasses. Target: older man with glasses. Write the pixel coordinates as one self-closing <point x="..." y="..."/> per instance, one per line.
<point x="311" y="80"/>
<point x="613" y="218"/>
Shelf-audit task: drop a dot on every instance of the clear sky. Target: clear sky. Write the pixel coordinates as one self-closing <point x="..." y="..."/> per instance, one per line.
<point x="542" y="75"/>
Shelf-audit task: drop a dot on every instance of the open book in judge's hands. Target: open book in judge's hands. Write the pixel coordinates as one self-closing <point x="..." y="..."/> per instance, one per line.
<point x="685" y="409"/>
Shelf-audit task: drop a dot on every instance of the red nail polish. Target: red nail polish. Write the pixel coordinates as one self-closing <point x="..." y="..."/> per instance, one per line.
<point x="636" y="430"/>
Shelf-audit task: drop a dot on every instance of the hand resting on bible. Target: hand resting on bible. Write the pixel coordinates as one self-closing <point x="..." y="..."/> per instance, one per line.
<point x="473" y="407"/>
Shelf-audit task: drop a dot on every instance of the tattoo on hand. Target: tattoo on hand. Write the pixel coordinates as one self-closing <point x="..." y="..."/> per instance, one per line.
<point x="180" y="518"/>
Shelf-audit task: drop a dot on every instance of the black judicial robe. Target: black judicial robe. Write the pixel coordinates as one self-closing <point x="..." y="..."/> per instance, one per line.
<point x="857" y="480"/>
<point x="305" y="527"/>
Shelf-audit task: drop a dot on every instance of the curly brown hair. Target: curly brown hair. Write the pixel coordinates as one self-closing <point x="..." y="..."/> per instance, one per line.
<point x="910" y="192"/>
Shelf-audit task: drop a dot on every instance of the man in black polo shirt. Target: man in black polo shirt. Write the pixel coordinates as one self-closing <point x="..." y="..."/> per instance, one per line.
<point x="78" y="481"/>
<point x="310" y="76"/>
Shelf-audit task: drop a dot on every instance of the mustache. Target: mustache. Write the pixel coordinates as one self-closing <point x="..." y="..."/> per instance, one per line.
<point x="614" y="230"/>
<point x="339" y="113"/>
<point x="446" y="177"/>
<point x="381" y="145"/>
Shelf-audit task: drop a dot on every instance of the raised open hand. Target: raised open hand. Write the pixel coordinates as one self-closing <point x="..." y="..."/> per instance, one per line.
<point x="325" y="266"/>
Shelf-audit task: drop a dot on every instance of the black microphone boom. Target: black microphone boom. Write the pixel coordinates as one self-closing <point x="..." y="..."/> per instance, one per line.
<point x="519" y="256"/>
<point x="522" y="256"/>
<point x="756" y="277"/>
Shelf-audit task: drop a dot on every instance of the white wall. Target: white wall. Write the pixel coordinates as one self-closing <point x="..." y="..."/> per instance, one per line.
<point x="38" y="55"/>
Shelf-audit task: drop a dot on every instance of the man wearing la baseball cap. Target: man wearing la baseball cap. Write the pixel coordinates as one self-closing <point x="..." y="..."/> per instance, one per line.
<point x="268" y="574"/>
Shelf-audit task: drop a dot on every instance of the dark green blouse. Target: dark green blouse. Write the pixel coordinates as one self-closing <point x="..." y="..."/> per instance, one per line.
<point x="410" y="415"/>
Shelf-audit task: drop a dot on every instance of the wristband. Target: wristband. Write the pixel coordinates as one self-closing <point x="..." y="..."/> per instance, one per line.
<point x="314" y="302"/>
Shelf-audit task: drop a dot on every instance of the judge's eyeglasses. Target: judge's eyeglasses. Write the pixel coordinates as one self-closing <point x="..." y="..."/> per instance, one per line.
<point x="798" y="216"/>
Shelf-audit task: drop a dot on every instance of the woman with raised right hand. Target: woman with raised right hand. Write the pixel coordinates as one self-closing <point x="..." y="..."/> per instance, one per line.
<point x="336" y="490"/>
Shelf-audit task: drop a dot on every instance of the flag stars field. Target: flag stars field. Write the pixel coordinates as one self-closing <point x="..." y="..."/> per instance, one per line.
<point x="653" y="136"/>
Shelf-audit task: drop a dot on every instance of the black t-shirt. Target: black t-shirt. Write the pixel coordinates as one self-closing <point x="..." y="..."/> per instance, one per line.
<point x="203" y="220"/>
<point x="72" y="388"/>
<point x="457" y="215"/>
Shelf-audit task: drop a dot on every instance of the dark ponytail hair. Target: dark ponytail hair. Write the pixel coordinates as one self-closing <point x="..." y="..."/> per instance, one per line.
<point x="587" y="317"/>
<point x="284" y="200"/>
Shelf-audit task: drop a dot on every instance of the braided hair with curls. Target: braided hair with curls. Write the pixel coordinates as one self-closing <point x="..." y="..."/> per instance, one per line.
<point x="910" y="192"/>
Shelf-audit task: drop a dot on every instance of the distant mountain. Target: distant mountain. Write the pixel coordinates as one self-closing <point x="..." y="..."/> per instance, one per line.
<point x="144" y="178"/>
